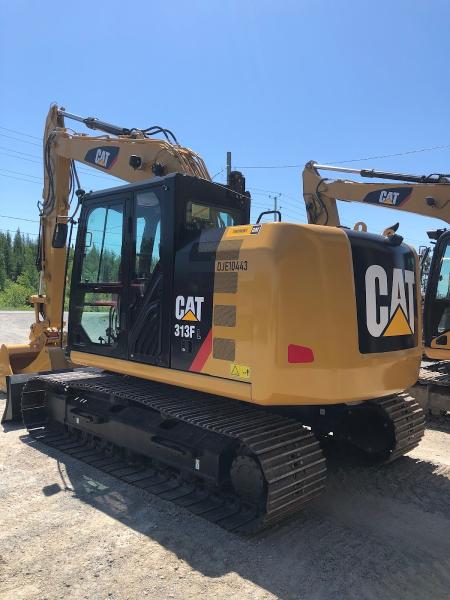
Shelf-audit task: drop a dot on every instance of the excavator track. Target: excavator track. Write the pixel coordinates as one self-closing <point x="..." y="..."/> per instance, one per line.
<point x="407" y="420"/>
<point x="376" y="431"/>
<point x="277" y="464"/>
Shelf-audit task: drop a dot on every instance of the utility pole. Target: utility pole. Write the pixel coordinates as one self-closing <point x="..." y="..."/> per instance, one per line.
<point x="228" y="168"/>
<point x="275" y="206"/>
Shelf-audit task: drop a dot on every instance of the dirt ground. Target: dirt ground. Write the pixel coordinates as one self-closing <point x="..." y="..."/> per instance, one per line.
<point x="15" y="326"/>
<point x="70" y="531"/>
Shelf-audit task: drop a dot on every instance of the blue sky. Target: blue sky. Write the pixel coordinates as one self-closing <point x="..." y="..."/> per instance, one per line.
<point x="277" y="83"/>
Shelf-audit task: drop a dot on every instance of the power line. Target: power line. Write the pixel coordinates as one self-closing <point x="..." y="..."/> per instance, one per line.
<point x="19" y="173"/>
<point x="286" y="204"/>
<point x="218" y="173"/>
<point x="10" y="137"/>
<point x="39" y="178"/>
<point x="35" y="137"/>
<point x="20" y="179"/>
<point x="267" y="192"/>
<point x="40" y="162"/>
<point x="286" y="199"/>
<point x="37" y="162"/>
<point x="18" y="218"/>
<point x="351" y="160"/>
<point x="21" y="232"/>
<point x="416" y="151"/>
<point x="18" y="152"/>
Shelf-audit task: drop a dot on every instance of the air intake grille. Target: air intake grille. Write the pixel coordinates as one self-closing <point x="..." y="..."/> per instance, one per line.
<point x="225" y="315"/>
<point x="225" y="283"/>
<point x="228" y="250"/>
<point x="223" y="349"/>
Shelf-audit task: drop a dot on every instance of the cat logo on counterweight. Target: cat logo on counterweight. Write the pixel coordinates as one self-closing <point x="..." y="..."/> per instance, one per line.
<point x="389" y="302"/>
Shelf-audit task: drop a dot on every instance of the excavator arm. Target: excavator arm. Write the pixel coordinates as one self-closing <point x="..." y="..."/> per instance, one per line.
<point x="427" y="195"/>
<point x="129" y="154"/>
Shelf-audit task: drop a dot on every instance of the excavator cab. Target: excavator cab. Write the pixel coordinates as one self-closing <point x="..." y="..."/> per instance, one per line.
<point x="138" y="247"/>
<point x="437" y="302"/>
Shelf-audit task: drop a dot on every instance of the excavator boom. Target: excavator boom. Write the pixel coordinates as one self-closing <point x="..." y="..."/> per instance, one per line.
<point x="427" y="195"/>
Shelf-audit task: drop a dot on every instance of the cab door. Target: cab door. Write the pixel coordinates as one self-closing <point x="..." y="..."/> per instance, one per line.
<point x="437" y="302"/>
<point x="122" y="276"/>
<point x="98" y="305"/>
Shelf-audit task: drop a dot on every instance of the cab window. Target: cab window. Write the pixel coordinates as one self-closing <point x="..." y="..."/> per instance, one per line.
<point x="103" y="245"/>
<point x="203" y="216"/>
<point x="443" y="291"/>
<point x="98" y="298"/>
<point x="148" y="235"/>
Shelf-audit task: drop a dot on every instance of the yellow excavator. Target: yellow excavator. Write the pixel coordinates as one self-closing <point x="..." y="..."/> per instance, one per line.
<point x="207" y="357"/>
<point x="426" y="195"/>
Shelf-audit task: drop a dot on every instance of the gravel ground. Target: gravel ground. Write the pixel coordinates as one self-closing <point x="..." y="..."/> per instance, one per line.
<point x="70" y="531"/>
<point x="15" y="326"/>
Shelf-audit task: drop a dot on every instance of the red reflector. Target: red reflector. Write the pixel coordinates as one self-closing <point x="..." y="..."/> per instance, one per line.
<point x="300" y="354"/>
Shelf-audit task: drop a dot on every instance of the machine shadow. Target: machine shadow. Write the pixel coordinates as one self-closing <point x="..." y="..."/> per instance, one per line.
<point x="8" y="425"/>
<point x="329" y="537"/>
<point x="442" y="425"/>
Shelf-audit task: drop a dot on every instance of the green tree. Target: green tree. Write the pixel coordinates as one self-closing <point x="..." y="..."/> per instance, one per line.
<point x="17" y="254"/>
<point x="3" y="275"/>
<point x="18" y="275"/>
<point x="8" y="256"/>
<point x="15" y="295"/>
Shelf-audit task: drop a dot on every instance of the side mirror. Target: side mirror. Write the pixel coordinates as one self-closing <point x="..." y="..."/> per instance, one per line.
<point x="60" y="235"/>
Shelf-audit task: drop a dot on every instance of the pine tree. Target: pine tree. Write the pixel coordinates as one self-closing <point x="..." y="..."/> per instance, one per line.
<point x="8" y="256"/>
<point x="18" y="254"/>
<point x="3" y="275"/>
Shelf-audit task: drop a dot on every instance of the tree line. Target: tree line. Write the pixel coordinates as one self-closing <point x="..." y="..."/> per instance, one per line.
<point x="18" y="274"/>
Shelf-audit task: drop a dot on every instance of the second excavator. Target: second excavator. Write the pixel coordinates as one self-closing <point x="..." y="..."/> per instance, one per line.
<point x="208" y="356"/>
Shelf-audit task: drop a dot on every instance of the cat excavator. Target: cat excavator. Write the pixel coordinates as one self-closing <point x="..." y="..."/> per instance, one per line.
<point x="207" y="358"/>
<point x="426" y="195"/>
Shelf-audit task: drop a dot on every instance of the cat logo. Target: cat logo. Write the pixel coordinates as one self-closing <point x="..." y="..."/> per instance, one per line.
<point x="189" y="308"/>
<point x="389" y="316"/>
<point x="389" y="198"/>
<point x="102" y="156"/>
<point x="393" y="196"/>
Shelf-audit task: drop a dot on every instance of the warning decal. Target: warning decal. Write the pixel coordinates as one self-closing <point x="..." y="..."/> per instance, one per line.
<point x="241" y="371"/>
<point x="238" y="230"/>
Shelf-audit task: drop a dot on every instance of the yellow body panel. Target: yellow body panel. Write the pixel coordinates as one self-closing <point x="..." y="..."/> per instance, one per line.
<point x="299" y="289"/>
